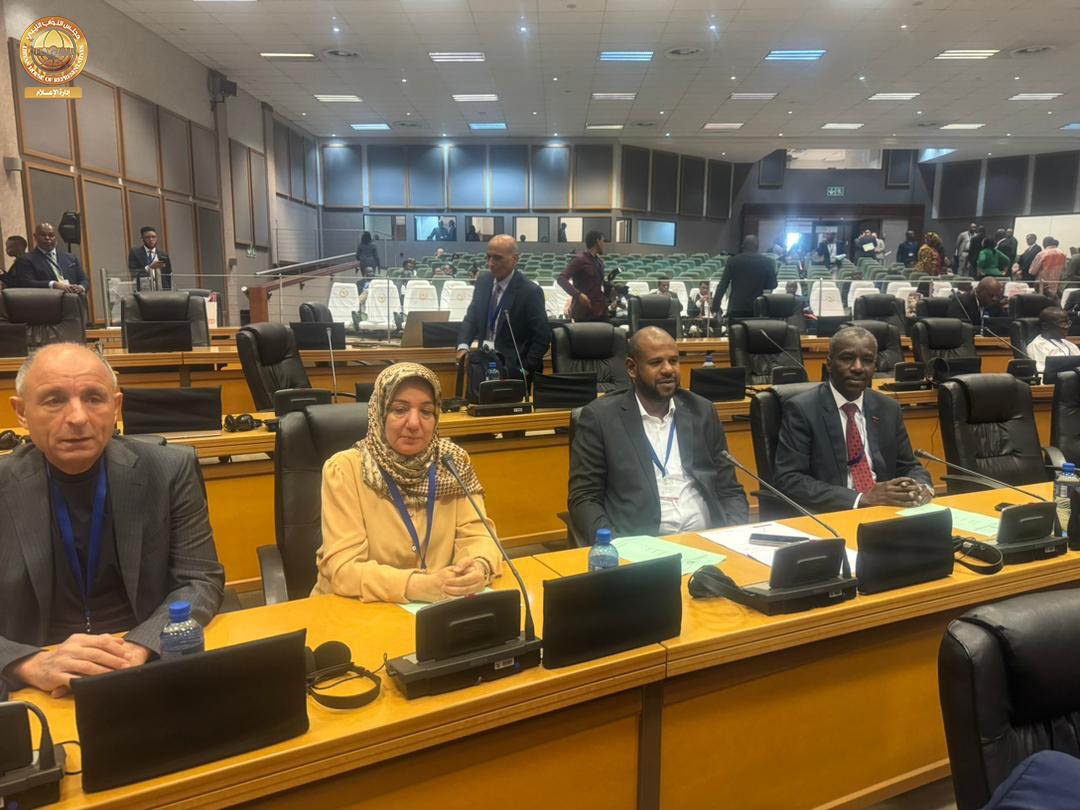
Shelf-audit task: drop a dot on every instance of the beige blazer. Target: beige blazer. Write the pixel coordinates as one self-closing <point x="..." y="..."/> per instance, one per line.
<point x="367" y="551"/>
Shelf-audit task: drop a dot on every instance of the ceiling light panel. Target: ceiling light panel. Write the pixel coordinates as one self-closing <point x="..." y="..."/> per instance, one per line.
<point x="369" y="127"/>
<point x="752" y="96"/>
<point x="842" y="126"/>
<point x="963" y="126"/>
<point x="626" y="56"/>
<point x="458" y="56"/>
<point x="892" y="96"/>
<point x="794" y="56"/>
<point x="723" y="125"/>
<point x="603" y="126"/>
<point x="487" y="125"/>
<point x="1071" y="126"/>
<point x="614" y="96"/>
<point x="475" y="97"/>
<point x="275" y="56"/>
<point x="1034" y="96"/>
<point x="985" y="53"/>
<point x="338" y="99"/>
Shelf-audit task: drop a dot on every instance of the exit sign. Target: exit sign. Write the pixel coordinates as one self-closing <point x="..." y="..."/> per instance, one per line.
<point x="834" y="191"/>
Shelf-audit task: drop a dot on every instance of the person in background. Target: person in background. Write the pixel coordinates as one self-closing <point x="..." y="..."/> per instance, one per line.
<point x="47" y="267"/>
<point x="367" y="253"/>
<point x="471" y="234"/>
<point x="79" y="496"/>
<point x="146" y="258"/>
<point x="792" y="288"/>
<point x="14" y="247"/>
<point x="827" y="251"/>
<point x="1052" y="340"/>
<point x="1048" y="266"/>
<point x="451" y="230"/>
<point x="1025" y="259"/>
<point x="865" y="245"/>
<point x="991" y="261"/>
<point x="908" y="251"/>
<point x="583" y="280"/>
<point x="963" y="245"/>
<point x="879" y="246"/>
<point x="663" y="287"/>
<point x="1007" y="244"/>
<point x="408" y="268"/>
<point x="396" y="524"/>
<point x="701" y="305"/>
<point x="778" y="249"/>
<point x="688" y="486"/>
<point x="986" y="300"/>
<point x="562" y="232"/>
<point x="974" y="248"/>
<point x="439" y="233"/>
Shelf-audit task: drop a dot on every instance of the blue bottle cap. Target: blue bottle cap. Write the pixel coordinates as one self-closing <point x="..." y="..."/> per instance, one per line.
<point x="603" y="535"/>
<point x="491" y="364"/>
<point x="179" y="611"/>
<point x="1068" y="468"/>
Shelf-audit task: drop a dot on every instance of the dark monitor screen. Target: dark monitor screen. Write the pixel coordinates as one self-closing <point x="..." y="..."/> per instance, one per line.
<point x="311" y="335"/>
<point x="158" y="336"/>
<point x="1058" y="364"/>
<point x="719" y="384"/>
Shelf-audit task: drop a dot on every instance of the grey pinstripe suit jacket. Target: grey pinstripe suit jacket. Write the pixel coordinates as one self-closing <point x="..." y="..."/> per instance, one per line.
<point x="164" y="543"/>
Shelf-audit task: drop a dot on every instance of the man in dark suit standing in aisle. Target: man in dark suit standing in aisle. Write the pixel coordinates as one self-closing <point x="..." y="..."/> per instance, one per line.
<point x="503" y="290"/>
<point x="82" y="506"/>
<point x="146" y="258"/>
<point x="1028" y="256"/>
<point x="748" y="274"/>
<point x="648" y="461"/>
<point x="583" y="280"/>
<point x="47" y="266"/>
<point x="843" y="445"/>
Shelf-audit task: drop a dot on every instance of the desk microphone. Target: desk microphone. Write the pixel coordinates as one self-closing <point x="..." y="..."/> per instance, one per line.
<point x="333" y="365"/>
<point x="521" y="366"/>
<point x="949" y="464"/>
<point x="846" y="566"/>
<point x="530" y="628"/>
<point x="788" y="354"/>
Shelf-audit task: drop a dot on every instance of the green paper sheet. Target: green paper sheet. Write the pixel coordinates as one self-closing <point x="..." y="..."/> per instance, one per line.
<point x="642" y="548"/>
<point x="962" y="520"/>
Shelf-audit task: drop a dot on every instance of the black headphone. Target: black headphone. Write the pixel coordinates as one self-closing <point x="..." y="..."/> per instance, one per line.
<point x="711" y="581"/>
<point x="9" y="440"/>
<point x="332" y="661"/>
<point x="242" y="423"/>
<point x="978" y="550"/>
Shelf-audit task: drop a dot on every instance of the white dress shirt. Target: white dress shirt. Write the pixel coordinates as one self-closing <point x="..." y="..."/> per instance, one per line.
<point x="860" y="422"/>
<point x="682" y="507"/>
<point x="1042" y="347"/>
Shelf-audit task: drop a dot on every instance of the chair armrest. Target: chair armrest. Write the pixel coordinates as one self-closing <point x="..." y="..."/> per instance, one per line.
<point x="273" y="575"/>
<point x="1053" y="457"/>
<point x="965" y="483"/>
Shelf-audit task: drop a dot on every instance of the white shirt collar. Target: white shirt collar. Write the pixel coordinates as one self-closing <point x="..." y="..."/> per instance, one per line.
<point x="644" y="413"/>
<point x="502" y="285"/>
<point x="841" y="400"/>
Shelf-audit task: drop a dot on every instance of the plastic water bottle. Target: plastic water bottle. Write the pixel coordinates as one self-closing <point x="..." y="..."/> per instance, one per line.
<point x="603" y="554"/>
<point x="492" y="372"/>
<point x="708" y="362"/>
<point x="182" y="635"/>
<point x="1064" y="483"/>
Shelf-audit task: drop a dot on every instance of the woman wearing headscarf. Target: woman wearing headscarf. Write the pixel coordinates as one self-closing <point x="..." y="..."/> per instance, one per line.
<point x="929" y="258"/>
<point x="396" y="525"/>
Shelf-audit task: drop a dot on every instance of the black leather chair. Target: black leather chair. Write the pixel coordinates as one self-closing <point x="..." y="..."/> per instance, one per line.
<point x="1009" y="682"/>
<point x="880" y="307"/>
<point x="316" y="312"/>
<point x="760" y="345"/>
<point x="304" y="441"/>
<point x="889" y="350"/>
<point x="598" y="347"/>
<point x="932" y="308"/>
<point x="781" y="307"/>
<point x="1024" y="310"/>
<point x="270" y="360"/>
<point x="50" y="316"/>
<point x="1065" y="416"/>
<point x="656" y="310"/>
<point x="766" y="413"/>
<point x="988" y="425"/>
<point x="942" y="337"/>
<point x="173" y="305"/>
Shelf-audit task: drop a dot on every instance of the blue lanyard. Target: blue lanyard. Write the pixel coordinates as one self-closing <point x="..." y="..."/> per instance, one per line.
<point x="495" y="311"/>
<point x="399" y="502"/>
<point x="667" y="457"/>
<point x="85" y="579"/>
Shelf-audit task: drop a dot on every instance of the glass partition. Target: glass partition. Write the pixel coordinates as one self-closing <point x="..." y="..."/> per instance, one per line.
<point x="435" y="228"/>
<point x="532" y="229"/>
<point x="481" y="229"/>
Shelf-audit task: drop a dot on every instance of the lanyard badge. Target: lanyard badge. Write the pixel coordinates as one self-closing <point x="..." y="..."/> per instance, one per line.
<point x="399" y="502"/>
<point x="84" y="579"/>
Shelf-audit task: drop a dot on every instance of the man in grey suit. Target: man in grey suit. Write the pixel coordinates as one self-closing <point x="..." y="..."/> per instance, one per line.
<point x="101" y="533"/>
<point x="648" y="461"/>
<point x="843" y="445"/>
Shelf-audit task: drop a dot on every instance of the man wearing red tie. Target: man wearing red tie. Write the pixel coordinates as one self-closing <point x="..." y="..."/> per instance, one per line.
<point x="843" y="445"/>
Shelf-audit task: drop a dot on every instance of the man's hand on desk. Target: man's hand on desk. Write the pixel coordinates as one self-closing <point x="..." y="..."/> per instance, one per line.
<point x="897" y="492"/>
<point x="52" y="670"/>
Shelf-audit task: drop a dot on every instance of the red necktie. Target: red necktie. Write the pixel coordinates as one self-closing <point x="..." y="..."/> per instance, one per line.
<point x="861" y="477"/>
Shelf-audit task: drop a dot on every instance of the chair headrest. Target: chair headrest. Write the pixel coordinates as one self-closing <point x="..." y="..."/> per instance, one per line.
<point x="655" y="306"/>
<point x="163" y="306"/>
<point x="1029" y="305"/>
<point x="32" y="306"/>
<point x="273" y="340"/>
<point x="944" y="333"/>
<point x="1039" y="636"/>
<point x="879" y="329"/>
<point x="591" y="341"/>
<point x="935" y="307"/>
<point x="781" y="305"/>
<point x="775" y="332"/>
<point x="877" y="305"/>
<point x="786" y="392"/>
<point x="336" y="427"/>
<point x="995" y="397"/>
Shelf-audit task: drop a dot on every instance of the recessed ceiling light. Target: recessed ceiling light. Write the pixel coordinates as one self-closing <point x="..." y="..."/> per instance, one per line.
<point x="303" y="114"/>
<point x="841" y="126"/>
<point x="892" y="96"/>
<point x="667" y="134"/>
<point x="614" y="96"/>
<point x="289" y="57"/>
<point x="781" y="134"/>
<point x="333" y="134"/>
<point x="338" y="99"/>
<point x="475" y="97"/>
<point x="989" y="154"/>
<point x="963" y="126"/>
<point x="408" y="113"/>
<point x="523" y="29"/>
<point x="403" y="81"/>
<point x="444" y="134"/>
<point x="534" y="112"/>
<point x="603" y="126"/>
<point x="556" y="134"/>
<point x="918" y="112"/>
<point x="752" y="96"/>
<point x="554" y="78"/>
<point x="369" y="126"/>
<point x="661" y="112"/>
<point x="626" y="56"/>
<point x="723" y="125"/>
<point x="459" y="56"/>
<point x="487" y="125"/>
<point x="723" y="154"/>
<point x="790" y="112"/>
<point x="337" y="30"/>
<point x="733" y="78"/>
<point x="1034" y="96"/>
<point x="954" y="53"/>
<point x="712" y="27"/>
<point x="903" y="27"/>
<point x="794" y="56"/>
<point x="862" y="78"/>
<point x="1067" y="126"/>
<point x="1016" y="78"/>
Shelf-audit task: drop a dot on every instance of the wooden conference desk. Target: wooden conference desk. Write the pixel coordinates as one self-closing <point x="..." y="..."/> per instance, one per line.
<point x="835" y="707"/>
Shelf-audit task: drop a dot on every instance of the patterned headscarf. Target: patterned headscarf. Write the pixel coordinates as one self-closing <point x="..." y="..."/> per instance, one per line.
<point x="410" y="473"/>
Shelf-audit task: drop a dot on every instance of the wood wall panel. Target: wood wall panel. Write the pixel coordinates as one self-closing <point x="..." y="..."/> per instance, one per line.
<point x="138" y="120"/>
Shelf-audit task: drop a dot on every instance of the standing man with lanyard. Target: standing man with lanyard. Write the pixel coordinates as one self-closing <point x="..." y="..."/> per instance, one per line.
<point x="507" y="312"/>
<point x="583" y="281"/>
<point x="147" y="258"/>
<point x="48" y="267"/>
<point x="648" y="461"/>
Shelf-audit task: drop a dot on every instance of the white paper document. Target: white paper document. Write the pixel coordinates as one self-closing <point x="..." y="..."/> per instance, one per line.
<point x="737" y="538"/>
